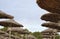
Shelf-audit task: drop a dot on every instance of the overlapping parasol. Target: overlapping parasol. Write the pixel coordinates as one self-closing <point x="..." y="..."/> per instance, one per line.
<point x="5" y="34"/>
<point x="18" y="30"/>
<point x="52" y="25"/>
<point x="50" y="5"/>
<point x="5" y="16"/>
<point x="51" y="17"/>
<point x="10" y="23"/>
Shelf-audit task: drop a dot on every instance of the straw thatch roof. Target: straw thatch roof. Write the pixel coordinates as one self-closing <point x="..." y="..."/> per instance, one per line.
<point x="52" y="25"/>
<point x="10" y="23"/>
<point x="50" y="5"/>
<point x="58" y="31"/>
<point x="47" y="30"/>
<point x="2" y="32"/>
<point x="46" y="36"/>
<point x="4" y="15"/>
<point x="51" y="17"/>
<point x="12" y="36"/>
<point x="4" y="35"/>
<point x="49" y="33"/>
<point x="18" y="30"/>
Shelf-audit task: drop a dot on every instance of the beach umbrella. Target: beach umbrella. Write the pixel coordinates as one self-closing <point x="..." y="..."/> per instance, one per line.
<point x="46" y="36"/>
<point x="51" y="25"/>
<point x="10" y="23"/>
<point x="49" y="33"/>
<point x="18" y="30"/>
<point x="49" y="30"/>
<point x="58" y="30"/>
<point x="51" y="17"/>
<point x="5" y="34"/>
<point x="4" y="15"/>
<point x="11" y="36"/>
<point x="2" y="32"/>
<point x="50" y="5"/>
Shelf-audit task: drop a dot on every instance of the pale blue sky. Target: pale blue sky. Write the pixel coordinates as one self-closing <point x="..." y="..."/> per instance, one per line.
<point x="26" y="12"/>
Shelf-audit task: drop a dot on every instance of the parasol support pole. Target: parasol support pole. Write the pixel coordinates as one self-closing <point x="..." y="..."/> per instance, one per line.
<point x="9" y="33"/>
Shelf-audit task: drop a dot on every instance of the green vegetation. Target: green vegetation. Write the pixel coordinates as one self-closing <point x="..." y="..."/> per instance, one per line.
<point x="4" y="29"/>
<point x="57" y="37"/>
<point x="37" y="35"/>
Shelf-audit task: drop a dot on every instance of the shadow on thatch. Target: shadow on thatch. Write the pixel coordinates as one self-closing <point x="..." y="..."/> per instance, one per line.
<point x="51" y="25"/>
<point x="50" y="5"/>
<point x="4" y="34"/>
<point x="19" y="30"/>
<point x="10" y="23"/>
<point x="49" y="33"/>
<point x="51" y="17"/>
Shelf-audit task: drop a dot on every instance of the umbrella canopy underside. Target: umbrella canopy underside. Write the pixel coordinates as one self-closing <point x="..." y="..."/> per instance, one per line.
<point x="50" y="5"/>
<point x="5" y="34"/>
<point x="51" y="25"/>
<point x="21" y="31"/>
<point x="10" y="23"/>
<point x="51" y="17"/>
<point x="4" y="15"/>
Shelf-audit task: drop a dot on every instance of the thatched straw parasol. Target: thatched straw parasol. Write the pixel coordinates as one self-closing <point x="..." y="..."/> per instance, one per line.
<point x="18" y="30"/>
<point x="4" y="15"/>
<point x="2" y="33"/>
<point x="10" y="23"/>
<point x="58" y="30"/>
<point x="50" y="5"/>
<point x="46" y="36"/>
<point x="12" y="36"/>
<point x="47" y="30"/>
<point x="52" y="25"/>
<point x="49" y="33"/>
<point x="51" y="17"/>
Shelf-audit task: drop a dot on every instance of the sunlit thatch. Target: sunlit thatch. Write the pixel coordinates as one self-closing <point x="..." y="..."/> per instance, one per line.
<point x="10" y="23"/>
<point x="18" y="30"/>
<point x="4" y="15"/>
<point x="4" y="35"/>
<point x="49" y="33"/>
